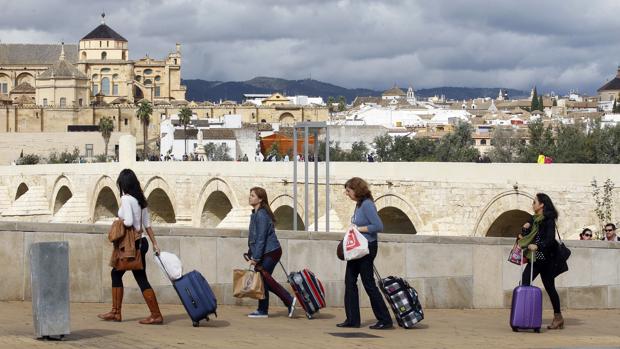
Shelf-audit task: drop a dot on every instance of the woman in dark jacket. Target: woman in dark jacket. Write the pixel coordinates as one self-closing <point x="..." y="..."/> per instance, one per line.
<point x="265" y="251"/>
<point x="543" y="245"/>
<point x="368" y="223"/>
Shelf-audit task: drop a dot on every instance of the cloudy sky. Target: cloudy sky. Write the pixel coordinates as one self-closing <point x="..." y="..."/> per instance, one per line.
<point x="556" y="45"/>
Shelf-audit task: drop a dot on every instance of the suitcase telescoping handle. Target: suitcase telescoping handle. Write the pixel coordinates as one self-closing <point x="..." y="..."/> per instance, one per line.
<point x="531" y="266"/>
<point x="377" y="274"/>
<point x="162" y="264"/>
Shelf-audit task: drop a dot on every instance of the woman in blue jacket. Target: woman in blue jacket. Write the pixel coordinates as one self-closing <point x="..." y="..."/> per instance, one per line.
<point x="265" y="251"/>
<point x="367" y="220"/>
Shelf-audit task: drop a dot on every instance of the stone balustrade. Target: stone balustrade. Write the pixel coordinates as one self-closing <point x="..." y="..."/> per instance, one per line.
<point x="447" y="271"/>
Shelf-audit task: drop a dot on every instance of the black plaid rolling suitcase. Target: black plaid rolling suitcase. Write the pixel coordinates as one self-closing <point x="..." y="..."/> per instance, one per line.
<point x="403" y="300"/>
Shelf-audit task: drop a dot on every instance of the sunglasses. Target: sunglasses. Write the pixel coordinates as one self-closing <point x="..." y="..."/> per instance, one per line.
<point x="609" y="230"/>
<point x="588" y="235"/>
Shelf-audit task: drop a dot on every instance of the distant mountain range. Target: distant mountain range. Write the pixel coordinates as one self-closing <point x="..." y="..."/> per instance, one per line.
<point x="203" y="90"/>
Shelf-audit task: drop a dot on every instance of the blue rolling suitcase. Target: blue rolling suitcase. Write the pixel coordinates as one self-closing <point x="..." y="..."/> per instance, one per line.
<point x="195" y="294"/>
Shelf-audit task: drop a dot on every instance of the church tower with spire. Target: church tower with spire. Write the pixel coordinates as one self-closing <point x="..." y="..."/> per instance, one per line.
<point x="411" y="96"/>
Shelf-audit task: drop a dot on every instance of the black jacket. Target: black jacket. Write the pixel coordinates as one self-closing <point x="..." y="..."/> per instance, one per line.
<point x="545" y="240"/>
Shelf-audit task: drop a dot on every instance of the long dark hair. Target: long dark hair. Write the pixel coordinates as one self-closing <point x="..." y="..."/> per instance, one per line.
<point x="262" y="194"/>
<point x="549" y="210"/>
<point x="129" y="184"/>
<point x="360" y="188"/>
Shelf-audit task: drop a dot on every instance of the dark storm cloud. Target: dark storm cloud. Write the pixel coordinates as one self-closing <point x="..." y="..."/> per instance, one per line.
<point x="557" y="45"/>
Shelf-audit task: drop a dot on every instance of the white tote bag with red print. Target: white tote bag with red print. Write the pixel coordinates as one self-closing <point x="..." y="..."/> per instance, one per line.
<point x="355" y="245"/>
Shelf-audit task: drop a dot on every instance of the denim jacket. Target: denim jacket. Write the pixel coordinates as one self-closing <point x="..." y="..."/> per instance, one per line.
<point x="262" y="238"/>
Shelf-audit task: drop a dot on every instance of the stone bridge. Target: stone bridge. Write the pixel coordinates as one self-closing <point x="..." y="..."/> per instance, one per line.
<point x="413" y="198"/>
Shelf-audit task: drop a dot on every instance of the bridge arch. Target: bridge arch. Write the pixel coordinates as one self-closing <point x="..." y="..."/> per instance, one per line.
<point x="22" y="188"/>
<point x="215" y="201"/>
<point x="397" y="214"/>
<point x="105" y="201"/>
<point x="282" y="207"/>
<point x="503" y="213"/>
<point x="161" y="200"/>
<point x="62" y="191"/>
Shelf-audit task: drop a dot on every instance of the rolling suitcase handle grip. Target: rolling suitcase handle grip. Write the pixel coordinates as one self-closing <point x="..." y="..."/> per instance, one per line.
<point x="531" y="266"/>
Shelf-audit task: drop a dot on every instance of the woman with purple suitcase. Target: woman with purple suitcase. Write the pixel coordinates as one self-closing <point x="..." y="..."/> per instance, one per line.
<point x="539" y="238"/>
<point x="265" y="252"/>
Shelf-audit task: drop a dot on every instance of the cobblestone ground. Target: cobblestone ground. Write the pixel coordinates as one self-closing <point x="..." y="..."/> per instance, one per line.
<point x="232" y="329"/>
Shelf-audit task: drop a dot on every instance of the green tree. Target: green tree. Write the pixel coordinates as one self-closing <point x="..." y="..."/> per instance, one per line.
<point x="359" y="150"/>
<point x="541" y="104"/>
<point x="145" y="109"/>
<point x="506" y="145"/>
<point x="335" y="151"/>
<point x="28" y="159"/>
<point x="604" y="202"/>
<point x="106" y="126"/>
<point x="217" y="152"/>
<point x="541" y="142"/>
<point x="572" y="145"/>
<point x="615" y="108"/>
<point x="65" y="157"/>
<point x="185" y="116"/>
<point x="383" y="146"/>
<point x="534" y="103"/>
<point x="330" y="103"/>
<point x="342" y="103"/>
<point x="458" y="146"/>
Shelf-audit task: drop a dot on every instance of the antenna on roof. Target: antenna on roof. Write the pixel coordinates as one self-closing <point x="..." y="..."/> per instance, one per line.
<point x="102" y="17"/>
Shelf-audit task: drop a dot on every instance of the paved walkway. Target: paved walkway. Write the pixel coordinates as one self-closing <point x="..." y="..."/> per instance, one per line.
<point x="440" y="329"/>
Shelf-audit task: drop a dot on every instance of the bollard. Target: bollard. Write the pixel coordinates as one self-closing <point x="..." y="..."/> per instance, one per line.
<point x="49" y="274"/>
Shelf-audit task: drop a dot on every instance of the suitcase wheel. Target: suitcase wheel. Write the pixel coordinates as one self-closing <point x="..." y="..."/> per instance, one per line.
<point x="514" y="329"/>
<point x="309" y="316"/>
<point x="537" y="330"/>
<point x="195" y="323"/>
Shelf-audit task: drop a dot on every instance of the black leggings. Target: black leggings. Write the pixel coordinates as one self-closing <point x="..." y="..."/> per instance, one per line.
<point x="546" y="272"/>
<point x="139" y="275"/>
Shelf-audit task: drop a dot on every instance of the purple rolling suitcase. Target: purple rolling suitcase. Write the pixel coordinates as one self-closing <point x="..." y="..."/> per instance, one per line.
<point x="526" y="310"/>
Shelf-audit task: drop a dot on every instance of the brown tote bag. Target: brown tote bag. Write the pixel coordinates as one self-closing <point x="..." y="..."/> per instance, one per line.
<point x="248" y="284"/>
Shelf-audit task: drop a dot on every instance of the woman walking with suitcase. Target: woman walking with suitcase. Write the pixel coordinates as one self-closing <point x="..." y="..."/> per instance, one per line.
<point x="265" y="252"/>
<point x="539" y="238"/>
<point x="134" y="213"/>
<point x="368" y="223"/>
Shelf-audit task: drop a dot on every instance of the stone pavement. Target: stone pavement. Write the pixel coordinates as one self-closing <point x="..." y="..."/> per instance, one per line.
<point x="471" y="328"/>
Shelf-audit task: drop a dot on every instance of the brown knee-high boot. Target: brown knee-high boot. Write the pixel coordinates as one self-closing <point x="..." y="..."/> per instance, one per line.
<point x="117" y="302"/>
<point x="155" y="318"/>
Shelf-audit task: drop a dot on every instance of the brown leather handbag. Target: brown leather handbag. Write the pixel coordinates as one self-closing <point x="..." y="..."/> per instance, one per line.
<point x="133" y="262"/>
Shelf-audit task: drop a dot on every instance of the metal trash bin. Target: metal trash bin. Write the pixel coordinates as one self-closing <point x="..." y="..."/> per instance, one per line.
<point x="49" y="275"/>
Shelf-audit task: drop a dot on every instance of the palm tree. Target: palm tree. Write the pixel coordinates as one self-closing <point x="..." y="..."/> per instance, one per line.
<point x="106" y="126"/>
<point x="144" y="114"/>
<point x="185" y="115"/>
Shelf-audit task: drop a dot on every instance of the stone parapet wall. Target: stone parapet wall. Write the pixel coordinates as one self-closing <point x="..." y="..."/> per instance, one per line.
<point x="448" y="272"/>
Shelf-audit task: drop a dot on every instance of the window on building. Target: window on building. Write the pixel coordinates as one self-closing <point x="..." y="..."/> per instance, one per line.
<point x="125" y="121"/>
<point x="4" y="88"/>
<point x="104" y="55"/>
<point x="95" y="89"/>
<point x="107" y="44"/>
<point x="105" y="70"/>
<point x="63" y="102"/>
<point x="80" y="102"/>
<point x="89" y="150"/>
<point x="175" y="61"/>
<point x="483" y="142"/>
<point x="105" y="86"/>
<point x="45" y="102"/>
<point x="157" y="78"/>
<point x="148" y="82"/>
<point x="157" y="91"/>
<point x="115" y="89"/>
<point x="148" y="71"/>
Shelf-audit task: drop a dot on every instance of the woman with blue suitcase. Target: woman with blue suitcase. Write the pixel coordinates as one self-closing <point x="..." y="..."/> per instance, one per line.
<point x="265" y="251"/>
<point x="134" y="213"/>
<point x="539" y="238"/>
